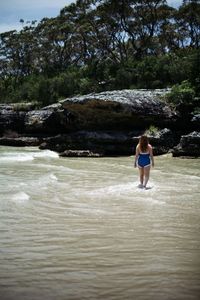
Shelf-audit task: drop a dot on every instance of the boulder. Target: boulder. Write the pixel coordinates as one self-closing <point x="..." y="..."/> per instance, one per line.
<point x="120" y="110"/>
<point x="196" y="121"/>
<point x="80" y="153"/>
<point x="162" y="140"/>
<point x="189" y="145"/>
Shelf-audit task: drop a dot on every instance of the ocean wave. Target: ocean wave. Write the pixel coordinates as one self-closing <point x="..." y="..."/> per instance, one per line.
<point x="42" y="182"/>
<point x="20" y="197"/>
<point x="46" y="154"/>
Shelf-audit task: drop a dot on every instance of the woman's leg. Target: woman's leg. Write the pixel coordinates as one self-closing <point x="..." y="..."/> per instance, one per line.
<point x="146" y="175"/>
<point x="141" y="170"/>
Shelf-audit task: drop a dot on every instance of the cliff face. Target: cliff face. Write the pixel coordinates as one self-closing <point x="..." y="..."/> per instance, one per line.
<point x="108" y="123"/>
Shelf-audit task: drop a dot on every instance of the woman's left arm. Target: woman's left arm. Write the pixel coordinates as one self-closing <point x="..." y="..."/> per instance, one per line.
<point x="151" y="155"/>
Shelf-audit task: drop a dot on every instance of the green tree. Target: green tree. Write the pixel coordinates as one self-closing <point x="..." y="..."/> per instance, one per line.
<point x="188" y="18"/>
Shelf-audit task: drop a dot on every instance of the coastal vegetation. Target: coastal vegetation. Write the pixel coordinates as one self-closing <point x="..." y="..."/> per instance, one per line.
<point x="152" y="130"/>
<point x="97" y="45"/>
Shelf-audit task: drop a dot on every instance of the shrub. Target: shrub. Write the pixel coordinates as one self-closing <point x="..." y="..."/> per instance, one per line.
<point x="181" y="94"/>
<point x="153" y="130"/>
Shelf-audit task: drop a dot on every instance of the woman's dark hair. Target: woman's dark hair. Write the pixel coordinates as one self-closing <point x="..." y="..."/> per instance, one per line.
<point x="143" y="142"/>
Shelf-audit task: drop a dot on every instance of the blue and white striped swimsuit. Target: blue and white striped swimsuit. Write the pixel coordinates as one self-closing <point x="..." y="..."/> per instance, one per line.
<point x="144" y="160"/>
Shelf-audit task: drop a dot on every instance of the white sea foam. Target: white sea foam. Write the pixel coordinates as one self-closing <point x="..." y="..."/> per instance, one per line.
<point x="29" y="156"/>
<point x="45" y="154"/>
<point x="128" y="190"/>
<point x="112" y="190"/>
<point x="43" y="181"/>
<point x="16" y="157"/>
<point x="53" y="177"/>
<point x="20" y="197"/>
<point x="59" y="168"/>
<point x="120" y="189"/>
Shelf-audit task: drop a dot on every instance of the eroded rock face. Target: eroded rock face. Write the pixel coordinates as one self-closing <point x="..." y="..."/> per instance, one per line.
<point x="106" y="143"/>
<point x="51" y="119"/>
<point x="123" y="110"/>
<point x="189" y="145"/>
<point x="11" y="119"/>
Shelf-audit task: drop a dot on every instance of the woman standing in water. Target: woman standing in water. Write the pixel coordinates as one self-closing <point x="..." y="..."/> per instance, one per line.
<point x="144" y="159"/>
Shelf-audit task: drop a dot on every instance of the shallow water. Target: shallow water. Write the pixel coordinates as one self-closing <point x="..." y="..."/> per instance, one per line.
<point x="80" y="228"/>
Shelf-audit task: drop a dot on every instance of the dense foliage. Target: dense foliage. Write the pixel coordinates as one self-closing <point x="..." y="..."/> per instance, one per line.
<point x="96" y="45"/>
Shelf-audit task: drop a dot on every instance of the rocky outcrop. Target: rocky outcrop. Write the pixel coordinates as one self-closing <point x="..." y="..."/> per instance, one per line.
<point x="48" y="120"/>
<point x="196" y="121"/>
<point x="115" y="110"/>
<point x="80" y="153"/>
<point x="162" y="141"/>
<point x="120" y="110"/>
<point x="189" y="145"/>
<point x="20" y="141"/>
<point x="11" y="119"/>
<point x="108" y="143"/>
<point x="107" y="123"/>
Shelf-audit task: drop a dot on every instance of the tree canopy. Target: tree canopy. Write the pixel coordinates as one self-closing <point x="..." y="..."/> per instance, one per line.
<point x="93" y="45"/>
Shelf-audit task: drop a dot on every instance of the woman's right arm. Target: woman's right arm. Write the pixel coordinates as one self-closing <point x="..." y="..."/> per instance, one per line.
<point x="136" y="156"/>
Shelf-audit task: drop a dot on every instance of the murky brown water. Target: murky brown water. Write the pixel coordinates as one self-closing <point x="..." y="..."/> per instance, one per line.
<point x="82" y="229"/>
